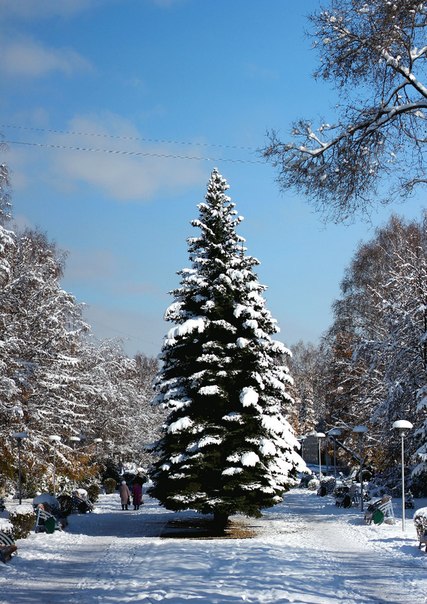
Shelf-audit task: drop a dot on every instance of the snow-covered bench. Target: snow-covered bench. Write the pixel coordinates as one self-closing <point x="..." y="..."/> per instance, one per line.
<point x="7" y="547"/>
<point x="45" y="521"/>
<point x="380" y="510"/>
<point x="420" y="521"/>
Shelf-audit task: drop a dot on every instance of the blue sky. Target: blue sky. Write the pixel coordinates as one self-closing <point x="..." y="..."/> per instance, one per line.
<point x="148" y="85"/>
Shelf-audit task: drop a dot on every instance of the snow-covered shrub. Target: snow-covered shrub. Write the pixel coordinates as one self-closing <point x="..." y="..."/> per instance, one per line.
<point x="6" y="526"/>
<point x="22" y="519"/>
<point x="313" y="484"/>
<point x="110" y="485"/>
<point x="418" y="483"/>
<point x="93" y="492"/>
<point x="305" y="479"/>
<point x="375" y="489"/>
<point x="329" y="483"/>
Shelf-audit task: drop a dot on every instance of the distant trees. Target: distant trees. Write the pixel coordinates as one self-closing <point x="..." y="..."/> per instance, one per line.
<point x="375" y="53"/>
<point x="54" y="378"/>
<point x="120" y="408"/>
<point x="305" y="370"/>
<point x="371" y="365"/>
<point x="39" y="332"/>
<point x="376" y="347"/>
<point x="226" y="446"/>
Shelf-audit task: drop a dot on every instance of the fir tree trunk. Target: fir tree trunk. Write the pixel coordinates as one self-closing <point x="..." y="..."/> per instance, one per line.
<point x="220" y="521"/>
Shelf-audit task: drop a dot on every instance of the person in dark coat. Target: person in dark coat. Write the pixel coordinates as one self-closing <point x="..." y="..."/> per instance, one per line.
<point x="124" y="495"/>
<point x="136" y="495"/>
<point x="137" y="491"/>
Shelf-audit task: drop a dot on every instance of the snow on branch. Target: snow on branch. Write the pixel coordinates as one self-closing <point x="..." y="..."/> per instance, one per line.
<point x="376" y="48"/>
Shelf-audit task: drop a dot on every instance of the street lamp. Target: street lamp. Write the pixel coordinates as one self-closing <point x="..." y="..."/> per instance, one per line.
<point x="54" y="438"/>
<point x="320" y="435"/>
<point x="19" y="438"/>
<point x="74" y="440"/>
<point x="360" y="431"/>
<point x="301" y="440"/>
<point x="97" y="441"/>
<point x="402" y="425"/>
<point x="334" y="433"/>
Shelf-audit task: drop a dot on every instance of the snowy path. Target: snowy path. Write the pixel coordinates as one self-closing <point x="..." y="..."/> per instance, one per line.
<point x="305" y="551"/>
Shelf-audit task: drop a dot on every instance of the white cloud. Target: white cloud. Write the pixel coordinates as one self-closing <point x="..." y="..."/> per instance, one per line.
<point x="28" y="58"/>
<point x="131" y="171"/>
<point x="120" y="177"/>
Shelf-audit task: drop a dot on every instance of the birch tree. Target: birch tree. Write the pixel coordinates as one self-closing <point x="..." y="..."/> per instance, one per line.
<point x="375" y="53"/>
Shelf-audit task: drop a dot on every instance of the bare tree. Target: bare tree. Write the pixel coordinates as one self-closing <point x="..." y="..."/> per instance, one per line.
<point x="375" y="53"/>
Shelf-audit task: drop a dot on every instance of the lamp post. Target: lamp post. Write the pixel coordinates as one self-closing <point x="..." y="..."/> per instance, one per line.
<point x="54" y="438"/>
<point x="402" y="425"/>
<point x="334" y="433"/>
<point x="74" y="440"/>
<point x="361" y="431"/>
<point x="320" y="435"/>
<point x="97" y="441"/>
<point x="301" y="440"/>
<point x="19" y="438"/>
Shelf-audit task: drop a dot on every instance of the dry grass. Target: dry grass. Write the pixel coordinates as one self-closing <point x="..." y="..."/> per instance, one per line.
<point x="204" y="528"/>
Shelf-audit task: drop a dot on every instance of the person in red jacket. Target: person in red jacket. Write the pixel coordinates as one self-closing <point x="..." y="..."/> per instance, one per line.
<point x="137" y="491"/>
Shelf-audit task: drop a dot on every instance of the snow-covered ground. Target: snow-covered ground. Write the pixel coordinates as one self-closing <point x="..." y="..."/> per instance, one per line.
<point x="303" y="551"/>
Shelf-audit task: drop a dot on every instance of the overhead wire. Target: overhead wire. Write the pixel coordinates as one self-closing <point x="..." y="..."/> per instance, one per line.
<point x="126" y="152"/>
<point x="130" y="138"/>
<point x="133" y="153"/>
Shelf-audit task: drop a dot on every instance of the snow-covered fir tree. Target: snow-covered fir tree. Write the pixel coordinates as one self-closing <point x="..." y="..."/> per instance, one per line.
<point x="226" y="446"/>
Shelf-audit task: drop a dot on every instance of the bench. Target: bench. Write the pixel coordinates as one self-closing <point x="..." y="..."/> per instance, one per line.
<point x="74" y="503"/>
<point x="7" y="547"/>
<point x="379" y="510"/>
<point x="342" y="497"/>
<point x="420" y="521"/>
<point x="46" y="522"/>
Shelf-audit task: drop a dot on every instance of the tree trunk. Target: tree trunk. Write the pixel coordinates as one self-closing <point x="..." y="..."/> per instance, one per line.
<point x="220" y="521"/>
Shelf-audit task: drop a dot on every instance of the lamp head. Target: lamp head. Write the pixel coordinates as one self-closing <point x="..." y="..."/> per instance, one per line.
<point x="20" y="435"/>
<point x="402" y="425"/>
<point x="335" y="432"/>
<point x="360" y="430"/>
<point x="54" y="438"/>
<point x="320" y="434"/>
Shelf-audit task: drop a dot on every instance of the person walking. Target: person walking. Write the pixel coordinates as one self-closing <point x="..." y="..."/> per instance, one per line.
<point x="124" y="495"/>
<point x="137" y="491"/>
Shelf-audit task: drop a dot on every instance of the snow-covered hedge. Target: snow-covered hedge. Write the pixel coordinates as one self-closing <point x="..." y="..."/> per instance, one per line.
<point x="22" y="519"/>
<point x="313" y="484"/>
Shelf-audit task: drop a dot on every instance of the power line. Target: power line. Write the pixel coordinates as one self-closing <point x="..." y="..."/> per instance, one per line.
<point x="133" y="153"/>
<point x="128" y="138"/>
